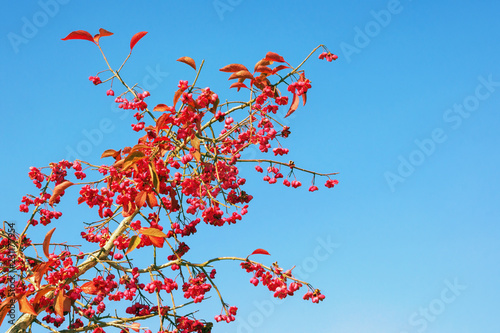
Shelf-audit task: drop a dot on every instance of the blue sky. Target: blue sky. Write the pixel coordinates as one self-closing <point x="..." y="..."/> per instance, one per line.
<point x="408" y="114"/>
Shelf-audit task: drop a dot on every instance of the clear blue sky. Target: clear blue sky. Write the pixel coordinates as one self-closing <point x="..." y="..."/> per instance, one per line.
<point x="408" y="114"/>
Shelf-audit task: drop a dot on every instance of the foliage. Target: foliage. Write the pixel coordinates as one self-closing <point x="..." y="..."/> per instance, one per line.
<point x="184" y="170"/>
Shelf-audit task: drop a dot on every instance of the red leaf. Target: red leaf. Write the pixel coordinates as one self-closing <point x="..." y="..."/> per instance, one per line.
<point x="262" y="62"/>
<point x="46" y="242"/>
<point x="89" y="288"/>
<point x="278" y="68"/>
<point x="26" y="307"/>
<point x="264" y="69"/>
<point x="151" y="200"/>
<point x="58" y="190"/>
<point x="140" y="199"/>
<point x="243" y="74"/>
<point x="102" y="33"/>
<point x="177" y="95"/>
<point x="136" y="38"/>
<point x="274" y="57"/>
<point x="188" y="60"/>
<point x="293" y="106"/>
<point x="160" y="107"/>
<point x="260" y="251"/>
<point x="233" y="68"/>
<point x="157" y="241"/>
<point x="79" y="34"/>
<point x="238" y="85"/>
<point x="304" y="98"/>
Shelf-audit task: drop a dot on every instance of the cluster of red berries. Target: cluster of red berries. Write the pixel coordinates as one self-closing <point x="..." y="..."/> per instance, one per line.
<point x="328" y="56"/>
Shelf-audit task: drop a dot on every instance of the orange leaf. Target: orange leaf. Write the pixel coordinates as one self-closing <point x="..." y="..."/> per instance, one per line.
<point x="132" y="159"/>
<point x="89" y="288"/>
<point x="293" y="106"/>
<point x="274" y="57"/>
<point x="161" y="107"/>
<point x="195" y="142"/>
<point x="264" y="69"/>
<point x="26" y="307"/>
<point x="177" y="95"/>
<point x="233" y="68"/>
<point x="46" y="242"/>
<point x="152" y="232"/>
<point x="134" y="242"/>
<point x="59" y="304"/>
<point x="188" y="60"/>
<point x="39" y="295"/>
<point x="79" y="34"/>
<point x="243" y="74"/>
<point x="304" y="98"/>
<point x="136" y="38"/>
<point x="278" y="68"/>
<point x="140" y="199"/>
<point x="151" y="200"/>
<point x="238" y="85"/>
<point x="110" y="152"/>
<point x="135" y="326"/>
<point x="260" y="251"/>
<point x="5" y="308"/>
<point x="262" y="62"/>
<point x="58" y="190"/>
<point x="157" y="241"/>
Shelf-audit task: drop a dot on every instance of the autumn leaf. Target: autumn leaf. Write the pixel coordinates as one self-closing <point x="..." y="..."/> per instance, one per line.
<point x="151" y="200"/>
<point x="243" y="74"/>
<point x="233" y="68"/>
<point x="279" y="68"/>
<point x="39" y="295"/>
<point x="154" y="177"/>
<point x="157" y="241"/>
<point x="102" y="33"/>
<point x="259" y="251"/>
<point x="177" y="95"/>
<point x="26" y="307"/>
<point x="89" y="288"/>
<point x="152" y="232"/>
<point x="58" y="190"/>
<point x="238" y="85"/>
<point x="111" y="153"/>
<point x="140" y="199"/>
<point x="304" y="98"/>
<point x="293" y="106"/>
<point x="5" y="308"/>
<point x="262" y="62"/>
<point x="136" y="38"/>
<point x="264" y="69"/>
<point x="46" y="242"/>
<point x="79" y="34"/>
<point x="134" y="242"/>
<point x="274" y="57"/>
<point x="161" y="107"/>
<point x="132" y="159"/>
<point x="195" y="142"/>
<point x="188" y="60"/>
